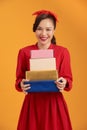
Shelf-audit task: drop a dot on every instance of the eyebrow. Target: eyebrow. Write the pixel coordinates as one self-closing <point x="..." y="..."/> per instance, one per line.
<point x="46" y="27"/>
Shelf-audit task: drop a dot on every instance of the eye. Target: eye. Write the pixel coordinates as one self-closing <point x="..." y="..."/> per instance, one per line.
<point x="38" y="28"/>
<point x="48" y="29"/>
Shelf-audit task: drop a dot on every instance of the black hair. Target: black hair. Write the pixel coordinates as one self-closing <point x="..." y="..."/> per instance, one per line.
<point x="41" y="17"/>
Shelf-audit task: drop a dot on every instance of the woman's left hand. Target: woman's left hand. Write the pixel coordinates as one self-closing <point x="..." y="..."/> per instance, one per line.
<point x="61" y="83"/>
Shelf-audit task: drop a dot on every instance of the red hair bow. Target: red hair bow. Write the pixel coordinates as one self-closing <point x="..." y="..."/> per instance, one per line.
<point x="45" y="12"/>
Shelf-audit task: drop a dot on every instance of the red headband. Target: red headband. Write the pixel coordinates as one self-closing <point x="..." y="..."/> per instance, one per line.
<point x="45" y="12"/>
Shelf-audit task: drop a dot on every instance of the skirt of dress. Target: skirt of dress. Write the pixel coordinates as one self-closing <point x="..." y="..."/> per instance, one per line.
<point x="44" y="111"/>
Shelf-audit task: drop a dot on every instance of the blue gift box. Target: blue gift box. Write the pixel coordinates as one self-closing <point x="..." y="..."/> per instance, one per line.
<point x="42" y="86"/>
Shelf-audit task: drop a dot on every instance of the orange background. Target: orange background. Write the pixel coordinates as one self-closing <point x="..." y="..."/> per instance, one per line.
<point x="16" y="22"/>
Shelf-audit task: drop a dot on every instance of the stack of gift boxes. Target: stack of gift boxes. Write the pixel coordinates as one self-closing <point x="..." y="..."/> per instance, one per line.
<point x="42" y="68"/>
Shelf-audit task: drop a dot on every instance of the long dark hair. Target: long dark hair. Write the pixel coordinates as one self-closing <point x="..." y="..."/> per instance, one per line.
<point x="41" y="17"/>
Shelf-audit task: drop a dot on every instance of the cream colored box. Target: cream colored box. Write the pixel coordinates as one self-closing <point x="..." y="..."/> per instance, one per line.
<point x="42" y="75"/>
<point x="43" y="64"/>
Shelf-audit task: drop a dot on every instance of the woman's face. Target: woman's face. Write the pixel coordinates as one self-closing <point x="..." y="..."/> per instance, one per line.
<point x="45" y="32"/>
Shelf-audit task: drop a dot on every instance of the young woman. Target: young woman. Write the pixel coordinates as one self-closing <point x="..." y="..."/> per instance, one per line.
<point x="47" y="110"/>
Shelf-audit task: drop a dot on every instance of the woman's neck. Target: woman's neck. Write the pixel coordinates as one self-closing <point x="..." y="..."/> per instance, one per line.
<point x="40" y="46"/>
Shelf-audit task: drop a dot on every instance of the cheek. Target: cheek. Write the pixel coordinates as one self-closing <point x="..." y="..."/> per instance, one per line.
<point x="51" y="34"/>
<point x="38" y="32"/>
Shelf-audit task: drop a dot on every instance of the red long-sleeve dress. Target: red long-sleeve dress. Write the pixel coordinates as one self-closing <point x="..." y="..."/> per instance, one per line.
<point x="45" y="110"/>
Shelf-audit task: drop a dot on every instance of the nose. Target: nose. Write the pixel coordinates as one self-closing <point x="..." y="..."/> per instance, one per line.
<point x="43" y="32"/>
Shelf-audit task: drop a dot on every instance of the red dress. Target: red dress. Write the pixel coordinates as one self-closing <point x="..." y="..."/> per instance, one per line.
<point x="44" y="111"/>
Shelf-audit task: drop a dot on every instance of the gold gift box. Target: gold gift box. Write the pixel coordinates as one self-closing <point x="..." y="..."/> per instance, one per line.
<point x="42" y="75"/>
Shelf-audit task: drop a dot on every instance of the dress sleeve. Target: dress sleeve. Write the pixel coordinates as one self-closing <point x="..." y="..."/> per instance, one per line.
<point x="20" y="70"/>
<point x="65" y="69"/>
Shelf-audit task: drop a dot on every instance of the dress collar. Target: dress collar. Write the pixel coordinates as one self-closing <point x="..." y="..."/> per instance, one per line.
<point x="50" y="47"/>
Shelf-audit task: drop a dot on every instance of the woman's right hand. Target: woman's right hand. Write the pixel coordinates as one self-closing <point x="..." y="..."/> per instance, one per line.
<point x="24" y="87"/>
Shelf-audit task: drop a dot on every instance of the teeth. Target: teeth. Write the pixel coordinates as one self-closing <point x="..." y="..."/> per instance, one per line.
<point x="43" y="38"/>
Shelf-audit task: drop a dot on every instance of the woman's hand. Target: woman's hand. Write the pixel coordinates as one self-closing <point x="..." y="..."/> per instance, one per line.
<point x="61" y="83"/>
<point x="24" y="87"/>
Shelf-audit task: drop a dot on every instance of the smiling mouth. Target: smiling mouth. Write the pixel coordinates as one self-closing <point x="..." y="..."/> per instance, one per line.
<point x="43" y="38"/>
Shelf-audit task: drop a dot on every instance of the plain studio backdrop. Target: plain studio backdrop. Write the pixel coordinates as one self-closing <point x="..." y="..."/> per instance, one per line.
<point x="16" y="23"/>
